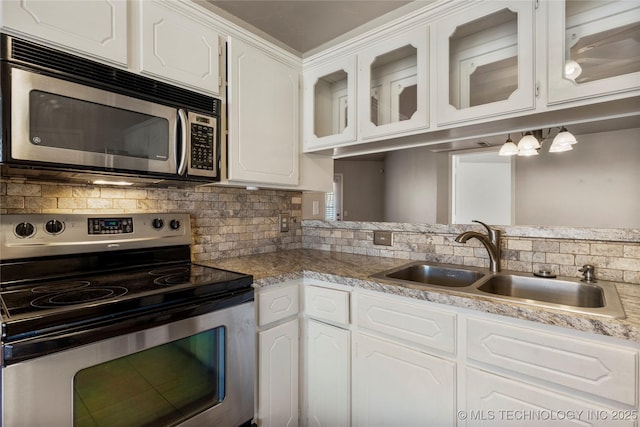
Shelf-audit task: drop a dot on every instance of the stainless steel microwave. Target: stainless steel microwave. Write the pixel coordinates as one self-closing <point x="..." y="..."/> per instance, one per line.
<point x="63" y="113"/>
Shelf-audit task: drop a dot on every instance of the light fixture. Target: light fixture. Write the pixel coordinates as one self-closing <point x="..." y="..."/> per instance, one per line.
<point x="531" y="142"/>
<point x="508" y="148"/>
<point x="563" y="141"/>
<point x="572" y="70"/>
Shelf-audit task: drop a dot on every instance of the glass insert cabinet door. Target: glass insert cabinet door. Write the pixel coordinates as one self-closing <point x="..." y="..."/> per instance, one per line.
<point x="330" y="104"/>
<point x="393" y="85"/>
<point x="158" y="386"/>
<point x="485" y="61"/>
<point x="594" y="48"/>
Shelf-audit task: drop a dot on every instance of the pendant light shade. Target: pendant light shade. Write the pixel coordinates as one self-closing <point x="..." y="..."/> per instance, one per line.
<point x="563" y="141"/>
<point x="528" y="142"/>
<point x="508" y="148"/>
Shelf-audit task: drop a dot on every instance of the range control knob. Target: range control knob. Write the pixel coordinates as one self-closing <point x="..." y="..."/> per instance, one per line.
<point x="157" y="223"/>
<point x="54" y="226"/>
<point x="25" y="229"/>
<point x="174" y="224"/>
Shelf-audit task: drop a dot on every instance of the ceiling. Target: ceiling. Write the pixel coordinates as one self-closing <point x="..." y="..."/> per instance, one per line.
<point x="303" y="26"/>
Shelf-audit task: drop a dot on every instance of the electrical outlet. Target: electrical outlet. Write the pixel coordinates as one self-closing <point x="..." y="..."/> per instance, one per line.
<point x="384" y="238"/>
<point x="283" y="221"/>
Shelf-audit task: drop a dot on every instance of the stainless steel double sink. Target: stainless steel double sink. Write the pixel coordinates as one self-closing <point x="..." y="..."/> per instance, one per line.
<point x="568" y="294"/>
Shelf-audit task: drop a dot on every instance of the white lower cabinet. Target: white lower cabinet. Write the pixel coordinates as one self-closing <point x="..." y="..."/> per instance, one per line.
<point x="373" y="359"/>
<point x="395" y="385"/>
<point x="493" y="400"/>
<point x="278" y="370"/>
<point x="278" y="355"/>
<point x="328" y="375"/>
<point x="604" y="371"/>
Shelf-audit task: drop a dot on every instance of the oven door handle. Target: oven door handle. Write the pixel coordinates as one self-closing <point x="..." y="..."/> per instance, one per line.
<point x="110" y="326"/>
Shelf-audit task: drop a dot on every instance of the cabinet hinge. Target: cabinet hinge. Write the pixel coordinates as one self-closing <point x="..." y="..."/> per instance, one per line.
<point x="537" y="4"/>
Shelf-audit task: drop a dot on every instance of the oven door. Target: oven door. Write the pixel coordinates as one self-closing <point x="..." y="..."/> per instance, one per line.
<point x="57" y="122"/>
<point x="193" y="372"/>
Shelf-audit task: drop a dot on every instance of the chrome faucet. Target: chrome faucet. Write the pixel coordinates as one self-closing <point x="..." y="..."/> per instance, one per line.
<point x="491" y="242"/>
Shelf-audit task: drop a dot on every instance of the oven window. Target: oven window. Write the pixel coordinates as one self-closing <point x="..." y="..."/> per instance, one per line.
<point x="73" y="124"/>
<point x="158" y="386"/>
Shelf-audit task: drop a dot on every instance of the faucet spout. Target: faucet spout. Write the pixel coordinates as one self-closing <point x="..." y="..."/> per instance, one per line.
<point x="491" y="242"/>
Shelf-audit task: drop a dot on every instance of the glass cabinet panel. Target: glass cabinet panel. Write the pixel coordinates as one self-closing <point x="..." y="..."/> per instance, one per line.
<point x="594" y="48"/>
<point x="393" y="85"/>
<point x="604" y="47"/>
<point x="485" y="61"/>
<point x="331" y="104"/>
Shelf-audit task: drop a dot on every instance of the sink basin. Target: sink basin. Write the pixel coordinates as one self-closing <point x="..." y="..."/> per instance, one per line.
<point x="567" y="294"/>
<point x="575" y="294"/>
<point x="425" y="273"/>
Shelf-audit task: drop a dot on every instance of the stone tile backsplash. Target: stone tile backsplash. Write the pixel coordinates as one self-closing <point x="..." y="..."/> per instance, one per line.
<point x="523" y="249"/>
<point x="229" y="222"/>
<point x="226" y="222"/>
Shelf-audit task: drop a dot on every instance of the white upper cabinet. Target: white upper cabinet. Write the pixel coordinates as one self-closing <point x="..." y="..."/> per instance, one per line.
<point x="594" y="49"/>
<point x="330" y="104"/>
<point x="393" y="92"/>
<point x="95" y="28"/>
<point x="263" y="117"/>
<point x="485" y="61"/>
<point x="179" y="48"/>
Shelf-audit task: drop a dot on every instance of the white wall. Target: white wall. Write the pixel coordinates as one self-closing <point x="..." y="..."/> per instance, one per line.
<point x="363" y="189"/>
<point x="411" y="186"/>
<point x="597" y="184"/>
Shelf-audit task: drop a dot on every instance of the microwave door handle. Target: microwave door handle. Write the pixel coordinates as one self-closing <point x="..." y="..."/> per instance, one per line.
<point x="182" y="165"/>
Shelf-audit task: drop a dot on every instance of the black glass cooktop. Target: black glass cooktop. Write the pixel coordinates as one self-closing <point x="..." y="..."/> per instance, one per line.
<point x="49" y="303"/>
<point x="130" y="284"/>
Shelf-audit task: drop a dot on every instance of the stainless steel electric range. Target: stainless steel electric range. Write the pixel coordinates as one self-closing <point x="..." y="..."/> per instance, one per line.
<point x="108" y="314"/>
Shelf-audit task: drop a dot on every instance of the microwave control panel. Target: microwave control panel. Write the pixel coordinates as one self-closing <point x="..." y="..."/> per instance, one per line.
<point x="203" y="145"/>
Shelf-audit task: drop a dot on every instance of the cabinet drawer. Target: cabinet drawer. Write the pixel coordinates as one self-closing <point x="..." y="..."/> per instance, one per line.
<point x="407" y="320"/>
<point x="499" y="401"/>
<point x="330" y="305"/>
<point x="591" y="367"/>
<point x="276" y="304"/>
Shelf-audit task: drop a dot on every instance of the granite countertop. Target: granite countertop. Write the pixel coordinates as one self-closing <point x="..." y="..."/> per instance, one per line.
<point x="354" y="270"/>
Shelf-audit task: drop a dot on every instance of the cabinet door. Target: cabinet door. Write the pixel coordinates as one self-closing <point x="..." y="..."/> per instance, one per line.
<point x="594" y="49"/>
<point x="178" y="48"/>
<point x="330" y="104"/>
<point x="604" y="371"/>
<point x="93" y="28"/>
<point x="393" y="93"/>
<point x="328" y="373"/>
<point x="485" y="61"/>
<point x="398" y="386"/>
<point x="492" y="400"/>
<point x="278" y="376"/>
<point x="263" y="117"/>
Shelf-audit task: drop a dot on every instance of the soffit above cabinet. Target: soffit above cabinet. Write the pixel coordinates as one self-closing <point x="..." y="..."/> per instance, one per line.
<point x="303" y="27"/>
